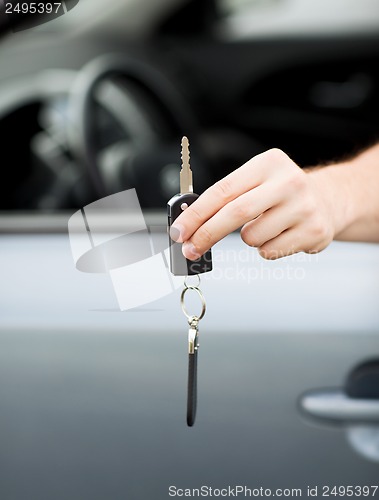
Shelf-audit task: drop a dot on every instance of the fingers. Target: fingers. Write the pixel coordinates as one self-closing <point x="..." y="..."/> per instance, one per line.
<point x="233" y="215"/>
<point x="269" y="225"/>
<point x="299" y="238"/>
<point x="249" y="176"/>
<point x="280" y="210"/>
<point x="287" y="243"/>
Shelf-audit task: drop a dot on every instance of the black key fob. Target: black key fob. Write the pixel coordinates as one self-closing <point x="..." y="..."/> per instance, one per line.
<point x="192" y="389"/>
<point x="179" y="265"/>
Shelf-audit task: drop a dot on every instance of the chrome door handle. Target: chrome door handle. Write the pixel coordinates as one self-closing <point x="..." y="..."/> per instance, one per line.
<point x="336" y="405"/>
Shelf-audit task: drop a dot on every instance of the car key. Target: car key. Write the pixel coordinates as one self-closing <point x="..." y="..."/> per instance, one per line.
<point x="179" y="265"/>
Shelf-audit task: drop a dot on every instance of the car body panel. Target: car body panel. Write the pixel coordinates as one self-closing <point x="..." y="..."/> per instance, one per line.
<point x="94" y="398"/>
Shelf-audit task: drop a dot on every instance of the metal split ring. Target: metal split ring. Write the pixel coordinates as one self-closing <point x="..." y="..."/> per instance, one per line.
<point x="194" y="276"/>
<point x="203" y="304"/>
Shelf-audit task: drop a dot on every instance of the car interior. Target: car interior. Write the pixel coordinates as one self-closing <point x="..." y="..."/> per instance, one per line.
<point x="103" y="109"/>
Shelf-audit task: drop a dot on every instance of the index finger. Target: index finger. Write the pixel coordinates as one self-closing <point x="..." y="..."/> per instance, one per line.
<point x="245" y="178"/>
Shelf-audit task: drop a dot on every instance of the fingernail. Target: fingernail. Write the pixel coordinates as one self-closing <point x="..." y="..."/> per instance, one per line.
<point x="176" y="233"/>
<point x="189" y="252"/>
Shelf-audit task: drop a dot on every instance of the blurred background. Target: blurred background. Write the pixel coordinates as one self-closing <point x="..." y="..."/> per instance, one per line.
<point x="96" y="101"/>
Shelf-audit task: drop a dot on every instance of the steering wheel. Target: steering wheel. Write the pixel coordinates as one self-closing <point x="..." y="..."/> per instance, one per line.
<point x="152" y="117"/>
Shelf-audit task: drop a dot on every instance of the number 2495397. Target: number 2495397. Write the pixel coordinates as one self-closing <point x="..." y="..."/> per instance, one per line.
<point x="33" y="8"/>
<point x="349" y="491"/>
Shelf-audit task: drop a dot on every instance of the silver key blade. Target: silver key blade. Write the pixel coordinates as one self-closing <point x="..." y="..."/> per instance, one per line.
<point x="186" y="183"/>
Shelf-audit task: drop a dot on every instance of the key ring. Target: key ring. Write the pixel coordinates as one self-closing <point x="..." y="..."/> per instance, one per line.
<point x="195" y="286"/>
<point x="203" y="303"/>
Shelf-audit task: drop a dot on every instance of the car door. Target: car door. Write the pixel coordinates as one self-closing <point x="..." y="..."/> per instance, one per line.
<point x="93" y="399"/>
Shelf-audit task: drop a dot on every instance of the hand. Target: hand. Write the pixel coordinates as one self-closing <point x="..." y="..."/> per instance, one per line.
<point x="281" y="208"/>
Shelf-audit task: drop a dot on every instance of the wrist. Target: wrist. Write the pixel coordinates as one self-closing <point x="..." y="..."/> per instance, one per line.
<point x="335" y="187"/>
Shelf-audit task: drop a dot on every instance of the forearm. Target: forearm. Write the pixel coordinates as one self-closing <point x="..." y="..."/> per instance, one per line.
<point x="352" y="191"/>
